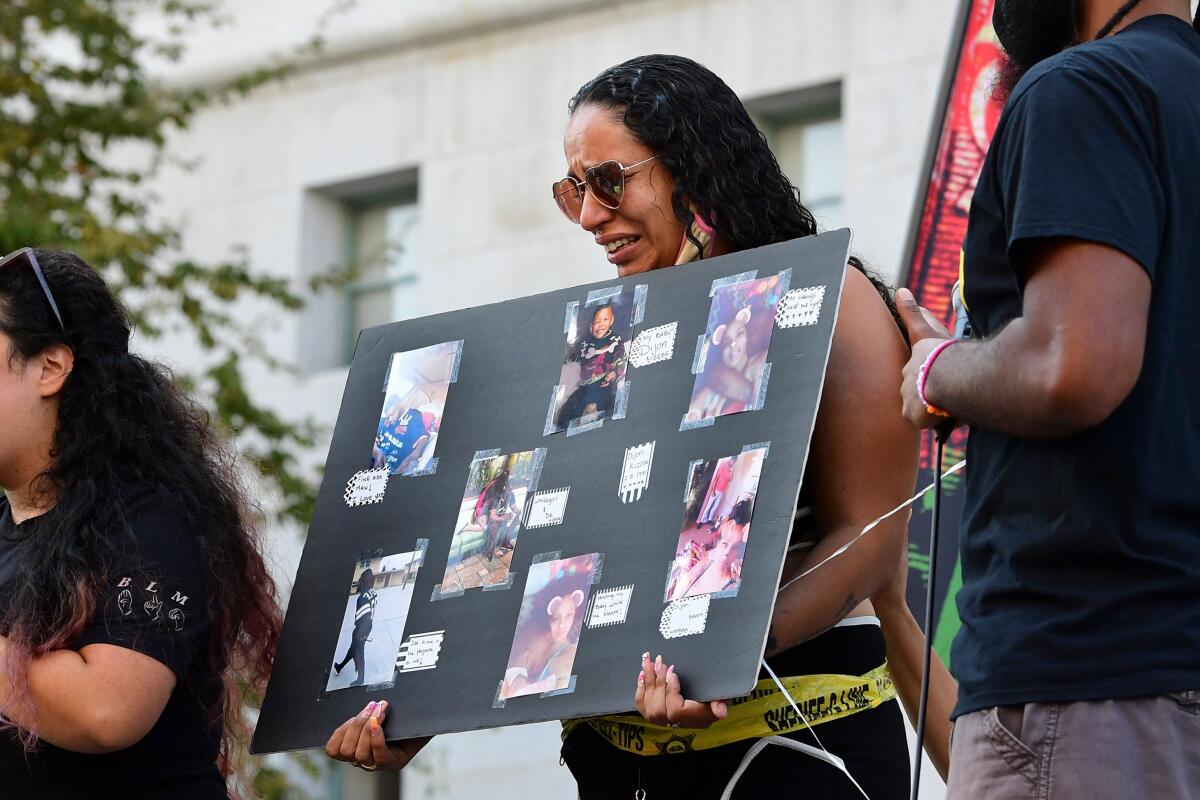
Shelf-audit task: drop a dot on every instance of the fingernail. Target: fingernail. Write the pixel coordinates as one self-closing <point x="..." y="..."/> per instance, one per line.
<point x="670" y="670"/>
<point x="722" y="710"/>
<point x="641" y="677"/>
<point x="657" y="662"/>
<point x="367" y="710"/>
<point x="375" y="725"/>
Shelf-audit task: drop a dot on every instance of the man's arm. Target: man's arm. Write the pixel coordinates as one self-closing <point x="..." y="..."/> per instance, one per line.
<point x="415" y="454"/>
<point x="1064" y="366"/>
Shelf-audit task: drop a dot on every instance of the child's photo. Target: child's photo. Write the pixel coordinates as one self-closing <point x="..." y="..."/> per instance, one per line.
<point x="489" y="520"/>
<point x="593" y="371"/>
<point x="413" y="402"/>
<point x="716" y="525"/>
<point x="733" y="356"/>
<point x="381" y="590"/>
<point x="547" y="635"/>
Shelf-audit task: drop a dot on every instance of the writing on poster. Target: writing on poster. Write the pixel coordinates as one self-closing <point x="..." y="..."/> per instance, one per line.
<point x="653" y="345"/>
<point x="635" y="472"/>
<point x="548" y="508"/>
<point x="420" y="652"/>
<point x="610" y="606"/>
<point x="800" y="307"/>
<point x="685" y="617"/>
<point x="366" y="486"/>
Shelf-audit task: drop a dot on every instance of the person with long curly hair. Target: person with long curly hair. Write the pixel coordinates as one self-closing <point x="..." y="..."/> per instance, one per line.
<point x="133" y="595"/>
<point x="665" y="167"/>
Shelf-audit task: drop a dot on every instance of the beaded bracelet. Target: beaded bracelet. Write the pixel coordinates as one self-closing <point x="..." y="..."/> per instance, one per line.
<point x="923" y="375"/>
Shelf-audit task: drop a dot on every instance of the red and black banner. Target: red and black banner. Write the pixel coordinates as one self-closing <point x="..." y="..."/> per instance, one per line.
<point x="967" y="117"/>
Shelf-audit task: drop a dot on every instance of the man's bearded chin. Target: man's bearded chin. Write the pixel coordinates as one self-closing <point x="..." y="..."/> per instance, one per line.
<point x="1031" y="31"/>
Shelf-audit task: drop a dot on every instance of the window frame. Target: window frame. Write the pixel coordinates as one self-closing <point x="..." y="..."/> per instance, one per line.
<point x="356" y="209"/>
<point x="805" y="106"/>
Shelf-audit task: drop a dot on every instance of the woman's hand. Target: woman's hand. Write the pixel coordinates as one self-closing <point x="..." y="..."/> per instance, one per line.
<point x="359" y="741"/>
<point x="660" y="700"/>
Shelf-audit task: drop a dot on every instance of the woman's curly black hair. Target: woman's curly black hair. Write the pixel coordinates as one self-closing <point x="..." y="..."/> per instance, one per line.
<point x="124" y="430"/>
<point x="723" y="168"/>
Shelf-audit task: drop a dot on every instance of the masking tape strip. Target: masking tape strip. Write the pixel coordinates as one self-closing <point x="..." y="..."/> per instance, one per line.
<point x="458" y="353"/>
<point x="598" y="297"/>
<point x="732" y="279"/>
<point x="571" y="316"/>
<point x="639" y="303"/>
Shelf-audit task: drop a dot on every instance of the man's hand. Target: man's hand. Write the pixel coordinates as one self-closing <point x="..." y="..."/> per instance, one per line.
<point x="359" y="741"/>
<point x="660" y="700"/>
<point x="925" y="332"/>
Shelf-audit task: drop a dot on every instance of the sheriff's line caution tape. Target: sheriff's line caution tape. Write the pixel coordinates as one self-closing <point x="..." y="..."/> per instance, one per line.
<point x="871" y="526"/>
<point x="824" y="753"/>
<point x="837" y="762"/>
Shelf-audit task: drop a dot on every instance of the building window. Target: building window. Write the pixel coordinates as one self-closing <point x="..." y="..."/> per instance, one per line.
<point x="368" y="229"/>
<point x="810" y="154"/>
<point x="804" y="129"/>
<point x="385" y="256"/>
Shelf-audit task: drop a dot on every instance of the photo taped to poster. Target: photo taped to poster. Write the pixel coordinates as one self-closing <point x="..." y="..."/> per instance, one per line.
<point x="413" y="401"/>
<point x="716" y="525"/>
<point x="489" y="520"/>
<point x="592" y="381"/>
<point x="547" y="636"/>
<point x="732" y="358"/>
<point x="372" y="627"/>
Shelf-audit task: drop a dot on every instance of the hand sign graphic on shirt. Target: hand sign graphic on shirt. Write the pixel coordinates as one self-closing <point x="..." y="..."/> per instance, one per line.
<point x="152" y="606"/>
<point x="176" y="617"/>
<point x="125" y="602"/>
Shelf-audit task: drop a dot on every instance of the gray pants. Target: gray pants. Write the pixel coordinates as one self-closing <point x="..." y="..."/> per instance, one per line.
<point x="1145" y="747"/>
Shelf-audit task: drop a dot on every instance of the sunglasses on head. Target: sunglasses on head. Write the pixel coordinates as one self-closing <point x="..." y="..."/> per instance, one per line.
<point x="606" y="182"/>
<point x="25" y="255"/>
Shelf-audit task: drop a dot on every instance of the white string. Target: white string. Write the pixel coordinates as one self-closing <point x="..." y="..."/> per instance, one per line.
<point x="837" y="762"/>
<point x="822" y="754"/>
<point x="872" y="526"/>
<point x="761" y="745"/>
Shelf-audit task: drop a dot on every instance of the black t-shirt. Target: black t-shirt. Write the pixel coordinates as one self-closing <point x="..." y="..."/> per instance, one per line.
<point x="155" y="603"/>
<point x="1081" y="555"/>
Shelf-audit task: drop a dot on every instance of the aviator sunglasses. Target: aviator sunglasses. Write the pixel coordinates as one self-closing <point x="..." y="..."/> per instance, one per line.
<point x="25" y="255"/>
<point x="606" y="182"/>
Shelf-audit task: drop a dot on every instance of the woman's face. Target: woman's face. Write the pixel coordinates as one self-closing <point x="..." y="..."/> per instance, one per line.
<point x="733" y="349"/>
<point x="562" y="618"/>
<point x="643" y="234"/>
<point x="29" y="420"/>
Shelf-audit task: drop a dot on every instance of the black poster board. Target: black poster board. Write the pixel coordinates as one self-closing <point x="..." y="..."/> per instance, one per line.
<point x="680" y="530"/>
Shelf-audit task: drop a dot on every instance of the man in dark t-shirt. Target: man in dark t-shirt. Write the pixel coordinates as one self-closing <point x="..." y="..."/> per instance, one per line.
<point x="1078" y="661"/>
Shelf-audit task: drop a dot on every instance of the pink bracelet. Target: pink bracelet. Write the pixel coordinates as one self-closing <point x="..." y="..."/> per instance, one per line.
<point x="923" y="375"/>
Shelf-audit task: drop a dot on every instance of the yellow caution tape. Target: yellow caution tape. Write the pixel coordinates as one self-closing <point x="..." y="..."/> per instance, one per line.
<point x="763" y="712"/>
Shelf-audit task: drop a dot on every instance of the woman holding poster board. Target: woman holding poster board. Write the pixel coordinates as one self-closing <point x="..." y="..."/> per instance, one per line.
<point x="665" y="167"/>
